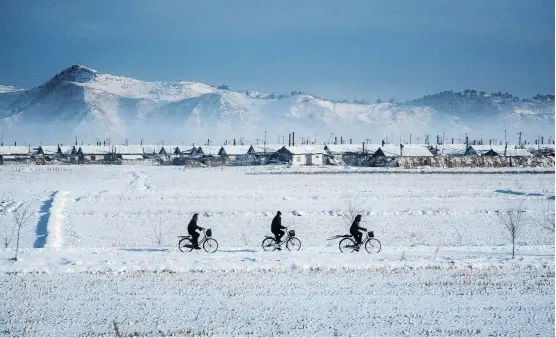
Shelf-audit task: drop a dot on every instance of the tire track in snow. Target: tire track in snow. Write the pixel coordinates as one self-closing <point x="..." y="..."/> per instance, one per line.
<point x="138" y="179"/>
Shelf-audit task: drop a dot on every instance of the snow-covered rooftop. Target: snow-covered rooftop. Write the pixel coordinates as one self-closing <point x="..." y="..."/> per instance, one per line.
<point x="210" y="150"/>
<point x="351" y="148"/>
<point x="485" y="148"/>
<point x="14" y="150"/>
<point x="452" y="149"/>
<point x="129" y="149"/>
<point x="408" y="150"/>
<point x="96" y="149"/>
<point x="234" y="150"/>
<point x="269" y="148"/>
<point x="306" y="149"/>
<point x="49" y="150"/>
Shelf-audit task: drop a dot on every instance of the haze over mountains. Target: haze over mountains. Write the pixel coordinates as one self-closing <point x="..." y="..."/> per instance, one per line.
<point x="83" y="104"/>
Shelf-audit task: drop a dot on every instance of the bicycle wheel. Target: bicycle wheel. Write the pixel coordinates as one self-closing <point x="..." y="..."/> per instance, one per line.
<point x="373" y="245"/>
<point x="293" y="244"/>
<point x="268" y="244"/>
<point x="210" y="245"/>
<point x="185" y="245"/>
<point x="347" y="245"/>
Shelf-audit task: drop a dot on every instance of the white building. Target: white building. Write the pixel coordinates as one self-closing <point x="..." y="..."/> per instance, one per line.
<point x="302" y="155"/>
<point x="14" y="155"/>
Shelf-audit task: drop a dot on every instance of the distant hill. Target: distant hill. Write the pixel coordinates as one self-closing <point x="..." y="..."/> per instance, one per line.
<point x="82" y="103"/>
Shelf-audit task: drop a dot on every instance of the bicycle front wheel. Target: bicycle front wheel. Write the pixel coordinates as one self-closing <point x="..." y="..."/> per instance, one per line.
<point x="185" y="245"/>
<point x="293" y="244"/>
<point x="373" y="245"/>
<point x="347" y="245"/>
<point x="268" y="244"/>
<point x="210" y="245"/>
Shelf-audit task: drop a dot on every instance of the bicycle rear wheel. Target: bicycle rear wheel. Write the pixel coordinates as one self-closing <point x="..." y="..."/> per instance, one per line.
<point x="293" y="244"/>
<point x="347" y="245"/>
<point x="373" y="245"/>
<point x="185" y="245"/>
<point x="210" y="245"/>
<point x="268" y="244"/>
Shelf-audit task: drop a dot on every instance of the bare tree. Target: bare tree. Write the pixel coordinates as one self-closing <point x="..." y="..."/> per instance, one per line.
<point x="7" y="229"/>
<point x="547" y="222"/>
<point x="513" y="219"/>
<point x="354" y="207"/>
<point x="159" y="232"/>
<point x="21" y="217"/>
<point x="7" y="235"/>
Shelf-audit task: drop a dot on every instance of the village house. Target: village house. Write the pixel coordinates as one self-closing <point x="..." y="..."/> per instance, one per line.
<point x="540" y="149"/>
<point x="94" y="154"/>
<point x="403" y="150"/>
<point x="448" y="149"/>
<point x="14" y="155"/>
<point x="301" y="155"/>
<point x="208" y="150"/>
<point x="350" y="154"/>
<point x="497" y="150"/>
<point x="265" y="152"/>
<point x="129" y="154"/>
<point x="238" y="155"/>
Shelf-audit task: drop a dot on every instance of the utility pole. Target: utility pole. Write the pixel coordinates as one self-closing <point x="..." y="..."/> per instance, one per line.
<point x="505" y="141"/>
<point x="519" y="138"/>
<point x="409" y="138"/>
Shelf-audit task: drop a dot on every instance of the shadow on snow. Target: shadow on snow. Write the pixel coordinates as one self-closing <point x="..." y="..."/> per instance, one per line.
<point x="144" y="250"/>
<point x="513" y="192"/>
<point x="41" y="232"/>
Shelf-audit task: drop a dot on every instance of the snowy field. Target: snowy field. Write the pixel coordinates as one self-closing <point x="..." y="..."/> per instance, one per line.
<point x="93" y="255"/>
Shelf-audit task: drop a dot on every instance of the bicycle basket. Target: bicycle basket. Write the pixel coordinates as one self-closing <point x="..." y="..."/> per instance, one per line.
<point x="291" y="233"/>
<point x="209" y="232"/>
<point x="371" y="234"/>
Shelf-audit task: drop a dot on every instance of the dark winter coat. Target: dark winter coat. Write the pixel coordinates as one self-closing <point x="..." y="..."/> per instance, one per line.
<point x="192" y="226"/>
<point x="276" y="224"/>
<point x="355" y="226"/>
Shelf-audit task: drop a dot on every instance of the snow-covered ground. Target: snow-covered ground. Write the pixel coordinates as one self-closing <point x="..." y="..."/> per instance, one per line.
<point x="90" y="257"/>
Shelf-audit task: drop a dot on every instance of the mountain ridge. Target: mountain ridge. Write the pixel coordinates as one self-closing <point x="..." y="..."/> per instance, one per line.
<point x="82" y="103"/>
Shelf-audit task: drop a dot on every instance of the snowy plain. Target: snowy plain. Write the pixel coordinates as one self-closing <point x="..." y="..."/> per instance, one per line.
<point x="90" y="258"/>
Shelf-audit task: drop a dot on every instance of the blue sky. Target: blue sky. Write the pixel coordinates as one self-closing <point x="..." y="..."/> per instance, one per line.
<point x="335" y="49"/>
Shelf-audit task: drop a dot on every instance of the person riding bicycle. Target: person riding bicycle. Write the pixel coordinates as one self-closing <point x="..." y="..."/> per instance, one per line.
<point x="276" y="228"/>
<point x="354" y="230"/>
<point x="192" y="230"/>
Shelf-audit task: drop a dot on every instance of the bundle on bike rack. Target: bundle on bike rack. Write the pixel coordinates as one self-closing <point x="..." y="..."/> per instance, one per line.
<point x="291" y="233"/>
<point x="337" y="236"/>
<point x="371" y="234"/>
<point x="209" y="232"/>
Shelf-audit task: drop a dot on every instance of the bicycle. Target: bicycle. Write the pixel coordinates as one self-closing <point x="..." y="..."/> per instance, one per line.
<point x="348" y="245"/>
<point x="292" y="243"/>
<point x="209" y="244"/>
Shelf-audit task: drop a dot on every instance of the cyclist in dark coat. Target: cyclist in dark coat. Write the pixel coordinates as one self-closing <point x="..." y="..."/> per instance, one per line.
<point x="192" y="230"/>
<point x="276" y="227"/>
<point x="354" y="230"/>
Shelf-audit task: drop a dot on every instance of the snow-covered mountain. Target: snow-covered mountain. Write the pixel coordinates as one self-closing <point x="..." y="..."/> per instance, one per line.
<point x="82" y="103"/>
